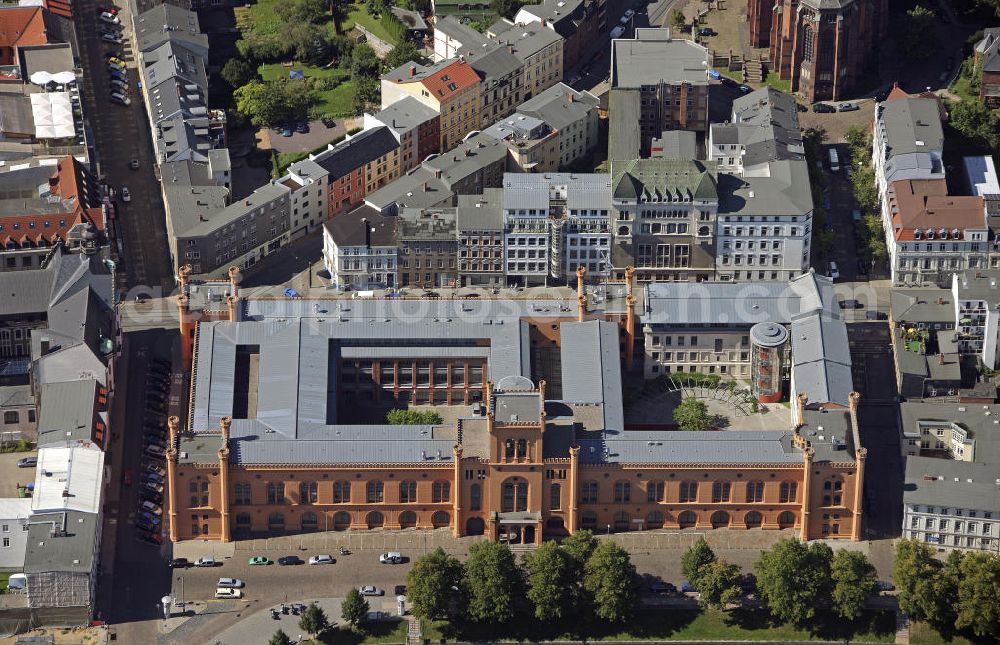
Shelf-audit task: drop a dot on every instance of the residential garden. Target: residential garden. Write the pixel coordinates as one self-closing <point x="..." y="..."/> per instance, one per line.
<point x="301" y="60"/>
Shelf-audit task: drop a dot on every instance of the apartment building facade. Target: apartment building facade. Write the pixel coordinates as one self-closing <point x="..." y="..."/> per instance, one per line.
<point x="664" y="217"/>
<point x="416" y="126"/>
<point x="977" y="321"/>
<point x="480" y="230"/>
<point x="428" y="248"/>
<point x="579" y="22"/>
<point x="660" y="84"/>
<point x="360" y="250"/>
<point x="450" y="87"/>
<point x="357" y="167"/>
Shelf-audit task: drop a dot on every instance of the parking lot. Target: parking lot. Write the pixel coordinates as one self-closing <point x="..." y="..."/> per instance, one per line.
<point x="11" y="475"/>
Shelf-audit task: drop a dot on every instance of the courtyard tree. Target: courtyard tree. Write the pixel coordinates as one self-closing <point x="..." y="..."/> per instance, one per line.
<point x="692" y="415"/>
<point x="979" y="595"/>
<point x="280" y="638"/>
<point x="853" y="582"/>
<point x="918" y="33"/>
<point x="550" y="581"/>
<point x="609" y="580"/>
<point x="313" y="620"/>
<point x="355" y="608"/>
<point x="506" y="8"/>
<point x="977" y="123"/>
<point x="695" y="559"/>
<point x="364" y="62"/>
<point x="401" y="54"/>
<point x="238" y="72"/>
<point x="794" y="579"/>
<point x="927" y="588"/>
<point x="718" y="584"/>
<point x="430" y="584"/>
<point x="492" y="583"/>
<point x="580" y="546"/>
<point x="401" y="417"/>
<point x="677" y="19"/>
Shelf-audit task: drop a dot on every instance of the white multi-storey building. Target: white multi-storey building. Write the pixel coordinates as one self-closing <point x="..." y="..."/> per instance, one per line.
<point x="764" y="226"/>
<point x="554" y="223"/>
<point x="977" y="321"/>
<point x="360" y="250"/>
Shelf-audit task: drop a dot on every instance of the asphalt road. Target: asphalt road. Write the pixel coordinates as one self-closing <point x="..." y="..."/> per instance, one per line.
<point x="121" y="133"/>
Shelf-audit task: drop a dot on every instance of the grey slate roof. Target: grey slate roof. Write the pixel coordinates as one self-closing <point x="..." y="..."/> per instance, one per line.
<point x="624" y="135"/>
<point x="362" y="148"/>
<point x="348" y="229"/>
<point x="527" y="40"/>
<point x="766" y="123"/>
<point x="193" y="225"/>
<point x="821" y="358"/>
<point x="952" y="484"/>
<point x="989" y="49"/>
<point x="922" y="305"/>
<point x="912" y="125"/>
<point x="405" y="114"/>
<point x="169" y="22"/>
<point x="652" y="57"/>
<point x="66" y="412"/>
<point x="554" y="107"/>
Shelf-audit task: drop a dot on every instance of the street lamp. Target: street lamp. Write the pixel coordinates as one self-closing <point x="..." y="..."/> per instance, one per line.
<point x="609" y="530"/>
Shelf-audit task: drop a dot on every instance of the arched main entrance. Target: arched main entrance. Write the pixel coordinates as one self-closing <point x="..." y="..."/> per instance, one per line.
<point x="687" y="519"/>
<point x="440" y="519"/>
<point x="720" y="519"/>
<point x="342" y="521"/>
<point x="375" y="520"/>
<point x="475" y="526"/>
<point x="754" y="519"/>
<point x="407" y="519"/>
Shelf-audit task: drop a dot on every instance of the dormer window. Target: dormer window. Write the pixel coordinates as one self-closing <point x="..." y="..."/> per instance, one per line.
<point x="916" y="233"/>
<point x="930" y="234"/>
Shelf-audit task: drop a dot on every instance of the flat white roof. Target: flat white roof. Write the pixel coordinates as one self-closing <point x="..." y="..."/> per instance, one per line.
<point x="68" y="479"/>
<point x="982" y="175"/>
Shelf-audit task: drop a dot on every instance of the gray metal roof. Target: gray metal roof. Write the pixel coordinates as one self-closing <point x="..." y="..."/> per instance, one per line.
<point x="952" y="484"/>
<point x="678" y="144"/>
<point x="66" y="412"/>
<point x="480" y="212"/>
<point x="73" y="552"/>
<point x="517" y="407"/>
<point x="295" y="339"/>
<point x="554" y="107"/>
<point x="979" y="284"/>
<point x="652" y="447"/>
<point x="786" y="192"/>
<point x="737" y="303"/>
<point x="405" y="114"/>
<point x="526" y="191"/>
<point x="624" y="136"/>
<point x="591" y="368"/>
<point x="652" y="57"/>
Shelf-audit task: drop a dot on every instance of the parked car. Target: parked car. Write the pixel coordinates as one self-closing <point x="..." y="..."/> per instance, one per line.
<point x="127" y="477"/>
<point x="118" y="97"/>
<point x="134" y="164"/>
<point x="150" y="507"/>
<point x="321" y="559"/>
<point x="230" y="583"/>
<point x="153" y="496"/>
<point x="146" y="537"/>
<point x="27" y="462"/>
<point x="391" y="557"/>
<point x="369" y="590"/>
<point x="149" y="518"/>
<point x="848" y="107"/>
<point x="146" y="525"/>
<point x="205" y="561"/>
<point x="662" y="588"/>
<point x="707" y="31"/>
<point x="179" y="563"/>
<point x="399" y="590"/>
<point x="155" y="451"/>
<point x="745" y="89"/>
<point x="126" y="196"/>
<point x="823" y="108"/>
<point x="286" y="132"/>
<point x="290" y="560"/>
<point x="258" y="560"/>
<point x="152" y="477"/>
<point x="111" y="58"/>
<point x="302" y="127"/>
<point x="110" y="18"/>
<point x="116" y="66"/>
<point x="109" y="37"/>
<point x="153" y="486"/>
<point x="228" y="594"/>
<point x="883" y="585"/>
<point x="328" y="122"/>
<point x="687" y="587"/>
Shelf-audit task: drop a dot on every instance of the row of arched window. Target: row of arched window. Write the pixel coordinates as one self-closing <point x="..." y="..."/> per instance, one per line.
<point x="341" y="492"/>
<point x="721" y="492"/>
<point x="623" y="521"/>
<point x="309" y="521"/>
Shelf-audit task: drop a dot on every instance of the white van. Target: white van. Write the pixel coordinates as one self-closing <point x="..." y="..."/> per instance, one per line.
<point x="834" y="271"/>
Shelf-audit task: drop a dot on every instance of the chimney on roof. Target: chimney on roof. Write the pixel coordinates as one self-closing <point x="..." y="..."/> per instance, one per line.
<point x="569" y="97"/>
<point x="437" y="173"/>
<point x="941" y="358"/>
<point x="510" y="49"/>
<point x="468" y="153"/>
<point x="423" y="187"/>
<point x="413" y="71"/>
<point x="368" y="231"/>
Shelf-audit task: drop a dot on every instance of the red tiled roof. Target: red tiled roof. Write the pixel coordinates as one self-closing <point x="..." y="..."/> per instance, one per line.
<point x="450" y="80"/>
<point x="20" y="26"/>
<point x="59" y="7"/>
<point x="66" y="182"/>
<point x="925" y="204"/>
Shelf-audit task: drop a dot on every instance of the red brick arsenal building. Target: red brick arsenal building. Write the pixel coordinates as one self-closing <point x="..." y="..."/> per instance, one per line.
<point x="821" y="46"/>
<point x="285" y="431"/>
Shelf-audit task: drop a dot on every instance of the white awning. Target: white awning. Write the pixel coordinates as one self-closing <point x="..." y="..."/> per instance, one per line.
<point x="53" y="114"/>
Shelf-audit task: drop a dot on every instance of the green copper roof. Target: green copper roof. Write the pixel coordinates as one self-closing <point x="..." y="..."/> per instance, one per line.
<point x="664" y="180"/>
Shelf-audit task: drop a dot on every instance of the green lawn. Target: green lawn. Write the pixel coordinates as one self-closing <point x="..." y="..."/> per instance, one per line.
<point x="772" y="80"/>
<point x="749" y="624"/>
<point x="337" y="102"/>
<point x="4" y="579"/>
<point x="264" y="18"/>
<point x="924" y="634"/>
<point x="358" y="15"/>
<point x="389" y="631"/>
